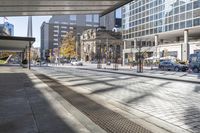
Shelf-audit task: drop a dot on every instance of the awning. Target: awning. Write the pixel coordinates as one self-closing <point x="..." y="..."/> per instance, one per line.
<point x="58" y="7"/>
<point x="14" y="43"/>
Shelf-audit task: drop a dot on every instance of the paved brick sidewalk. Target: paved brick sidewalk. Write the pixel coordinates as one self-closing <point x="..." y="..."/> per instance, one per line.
<point x="174" y="103"/>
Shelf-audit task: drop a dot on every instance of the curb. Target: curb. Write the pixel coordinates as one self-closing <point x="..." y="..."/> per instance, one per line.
<point x="144" y="75"/>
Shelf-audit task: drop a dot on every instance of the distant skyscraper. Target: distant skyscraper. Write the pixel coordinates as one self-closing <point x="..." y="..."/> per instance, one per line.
<point x="111" y="20"/>
<point x="7" y="29"/>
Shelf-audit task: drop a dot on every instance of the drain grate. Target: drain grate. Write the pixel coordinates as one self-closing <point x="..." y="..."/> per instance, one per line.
<point x="107" y="119"/>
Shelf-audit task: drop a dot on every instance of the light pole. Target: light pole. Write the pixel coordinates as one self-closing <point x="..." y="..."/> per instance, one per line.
<point x="139" y="60"/>
<point x="99" y="55"/>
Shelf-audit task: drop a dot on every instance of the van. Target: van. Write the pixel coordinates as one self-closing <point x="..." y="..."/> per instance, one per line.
<point x="194" y="62"/>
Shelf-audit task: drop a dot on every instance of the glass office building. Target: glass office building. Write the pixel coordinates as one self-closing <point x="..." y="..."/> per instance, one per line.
<point x="146" y="17"/>
<point x="150" y="18"/>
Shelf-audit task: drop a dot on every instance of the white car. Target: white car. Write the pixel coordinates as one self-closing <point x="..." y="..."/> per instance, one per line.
<point x="76" y="63"/>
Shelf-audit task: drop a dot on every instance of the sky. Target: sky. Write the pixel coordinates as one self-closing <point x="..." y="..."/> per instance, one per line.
<point x="21" y="25"/>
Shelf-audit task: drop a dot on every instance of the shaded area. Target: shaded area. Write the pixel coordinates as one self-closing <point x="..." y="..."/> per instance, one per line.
<point x="110" y="121"/>
<point x="197" y="89"/>
<point x="194" y="124"/>
<point x="146" y="76"/>
<point x="24" y="109"/>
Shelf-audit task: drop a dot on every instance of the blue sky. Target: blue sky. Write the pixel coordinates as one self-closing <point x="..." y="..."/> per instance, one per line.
<point x="21" y="23"/>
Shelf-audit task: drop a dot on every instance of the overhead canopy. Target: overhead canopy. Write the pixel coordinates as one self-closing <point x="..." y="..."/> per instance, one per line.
<point x="15" y="43"/>
<point x="55" y="7"/>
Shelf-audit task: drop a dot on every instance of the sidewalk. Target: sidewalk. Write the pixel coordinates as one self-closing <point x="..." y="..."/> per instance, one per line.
<point x="27" y="105"/>
<point x="169" y="105"/>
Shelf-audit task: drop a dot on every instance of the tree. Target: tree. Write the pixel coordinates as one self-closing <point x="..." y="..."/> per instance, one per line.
<point x="68" y="46"/>
<point x="5" y="54"/>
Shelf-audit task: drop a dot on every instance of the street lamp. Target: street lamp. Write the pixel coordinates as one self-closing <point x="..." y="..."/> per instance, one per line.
<point x="140" y="62"/>
<point x="99" y="66"/>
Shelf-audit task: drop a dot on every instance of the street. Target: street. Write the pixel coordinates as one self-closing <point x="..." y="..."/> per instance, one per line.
<point x="171" y="105"/>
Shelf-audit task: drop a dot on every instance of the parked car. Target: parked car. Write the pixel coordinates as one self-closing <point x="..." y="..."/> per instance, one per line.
<point x="76" y="63"/>
<point x="194" y="62"/>
<point x="94" y="62"/>
<point x="108" y="63"/>
<point x="172" y="66"/>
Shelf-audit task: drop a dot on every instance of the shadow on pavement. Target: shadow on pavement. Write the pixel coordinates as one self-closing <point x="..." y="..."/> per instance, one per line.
<point x="194" y="123"/>
<point x="24" y="109"/>
<point x="197" y="89"/>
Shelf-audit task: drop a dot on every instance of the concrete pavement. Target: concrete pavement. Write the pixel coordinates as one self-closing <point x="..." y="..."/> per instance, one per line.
<point x="27" y="105"/>
<point x="160" y="106"/>
<point x="171" y="105"/>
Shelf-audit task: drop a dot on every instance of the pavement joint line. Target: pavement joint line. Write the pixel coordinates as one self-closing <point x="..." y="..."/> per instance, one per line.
<point x="31" y="108"/>
<point x="143" y="75"/>
<point x="123" y="108"/>
<point x="67" y="86"/>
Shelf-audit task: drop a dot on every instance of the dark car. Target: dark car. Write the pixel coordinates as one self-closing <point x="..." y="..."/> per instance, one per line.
<point x="172" y="66"/>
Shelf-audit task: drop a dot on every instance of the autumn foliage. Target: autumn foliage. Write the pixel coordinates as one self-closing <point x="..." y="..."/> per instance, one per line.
<point x="68" y="46"/>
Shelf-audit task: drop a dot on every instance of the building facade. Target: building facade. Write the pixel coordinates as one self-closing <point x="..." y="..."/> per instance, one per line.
<point x="53" y="32"/>
<point x="100" y="44"/>
<point x="161" y="25"/>
<point x="111" y="20"/>
<point x="7" y="29"/>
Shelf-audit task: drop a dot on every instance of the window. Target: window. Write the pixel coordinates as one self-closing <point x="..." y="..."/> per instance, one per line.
<point x="196" y="4"/>
<point x="96" y="18"/>
<point x="176" y="10"/>
<point x="182" y="17"/>
<point x="176" y="18"/>
<point x="188" y="15"/>
<point x="73" y="17"/>
<point x="196" y="13"/>
<point x="55" y="39"/>
<point x="189" y="23"/>
<point x="176" y="26"/>
<point x="196" y="22"/>
<point x="189" y="6"/>
<point x="182" y="8"/>
<point x="89" y="18"/>
<point x="182" y="25"/>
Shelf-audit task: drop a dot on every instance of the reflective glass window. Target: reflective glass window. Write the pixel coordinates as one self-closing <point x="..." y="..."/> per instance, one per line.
<point x="196" y="22"/>
<point x="176" y="10"/>
<point x="189" y="15"/>
<point x="196" y="4"/>
<point x="182" y="17"/>
<point x="182" y="8"/>
<point x="196" y="13"/>
<point x="189" y="23"/>
<point x="182" y="25"/>
<point x="176" y="26"/>
<point x="189" y="6"/>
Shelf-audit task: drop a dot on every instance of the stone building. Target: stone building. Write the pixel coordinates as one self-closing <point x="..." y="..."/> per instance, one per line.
<point x="101" y="44"/>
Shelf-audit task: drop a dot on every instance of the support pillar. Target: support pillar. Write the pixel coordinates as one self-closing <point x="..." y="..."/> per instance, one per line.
<point x="29" y="56"/>
<point x="157" y="52"/>
<point x="124" y="53"/>
<point x="185" y="47"/>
